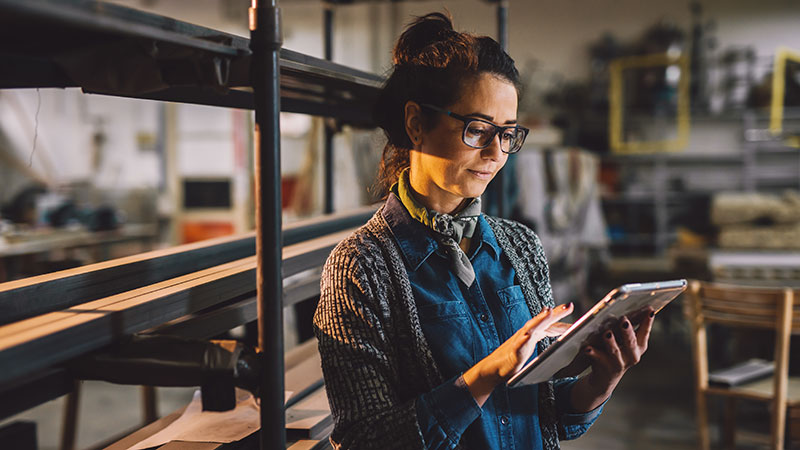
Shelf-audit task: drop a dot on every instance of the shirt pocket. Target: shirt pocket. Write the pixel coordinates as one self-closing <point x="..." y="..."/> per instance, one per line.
<point x="442" y="311"/>
<point x="514" y="305"/>
<point x="450" y="334"/>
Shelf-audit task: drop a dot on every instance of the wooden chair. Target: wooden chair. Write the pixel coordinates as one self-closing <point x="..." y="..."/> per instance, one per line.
<point x="747" y="307"/>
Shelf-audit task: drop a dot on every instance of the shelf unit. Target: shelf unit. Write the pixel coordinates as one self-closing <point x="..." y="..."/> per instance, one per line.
<point x="761" y="164"/>
<point x="94" y="46"/>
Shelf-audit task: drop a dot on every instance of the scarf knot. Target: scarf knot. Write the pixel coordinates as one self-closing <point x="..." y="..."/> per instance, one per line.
<point x="449" y="229"/>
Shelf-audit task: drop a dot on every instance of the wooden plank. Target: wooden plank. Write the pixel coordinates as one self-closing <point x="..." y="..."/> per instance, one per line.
<point x="57" y="337"/>
<point x="33" y="296"/>
<point x="214" y="322"/>
<point x="92" y="329"/>
<point x="40" y="323"/>
<point x="741" y="320"/>
<point x="309" y="444"/>
<point x="46" y="293"/>
<point x="296" y="258"/>
<point x="741" y="294"/>
<point x="310" y="418"/>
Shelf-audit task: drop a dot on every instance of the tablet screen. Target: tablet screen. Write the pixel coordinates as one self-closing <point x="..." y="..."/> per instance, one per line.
<point x="631" y="300"/>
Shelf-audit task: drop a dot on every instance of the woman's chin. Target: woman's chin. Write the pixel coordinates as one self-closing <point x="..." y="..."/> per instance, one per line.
<point x="474" y="189"/>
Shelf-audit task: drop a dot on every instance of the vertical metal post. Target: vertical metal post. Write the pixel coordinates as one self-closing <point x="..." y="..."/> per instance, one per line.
<point x="329" y="132"/>
<point x="265" y="43"/>
<point x="502" y="23"/>
<point x="502" y="178"/>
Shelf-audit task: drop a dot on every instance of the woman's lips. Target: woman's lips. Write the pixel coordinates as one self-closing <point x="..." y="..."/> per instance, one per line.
<point x="481" y="175"/>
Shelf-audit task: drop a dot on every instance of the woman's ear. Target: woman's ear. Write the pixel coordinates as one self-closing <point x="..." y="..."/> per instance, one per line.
<point x="413" y="122"/>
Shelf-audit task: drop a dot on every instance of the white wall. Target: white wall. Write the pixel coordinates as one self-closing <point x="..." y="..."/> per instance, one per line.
<point x="555" y="33"/>
<point x="63" y="131"/>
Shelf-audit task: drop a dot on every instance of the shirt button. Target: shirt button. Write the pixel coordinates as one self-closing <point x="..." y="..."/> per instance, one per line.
<point x="484" y="317"/>
<point x="504" y="420"/>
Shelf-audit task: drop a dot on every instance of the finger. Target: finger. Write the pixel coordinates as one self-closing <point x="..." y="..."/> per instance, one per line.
<point x="597" y="357"/>
<point x="627" y="342"/>
<point x="610" y="343"/>
<point x="559" y="312"/>
<point x="643" y="333"/>
<point x="536" y="321"/>
<point x="557" y="329"/>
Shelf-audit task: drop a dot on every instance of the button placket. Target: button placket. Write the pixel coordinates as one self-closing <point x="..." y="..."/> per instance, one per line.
<point x="483" y="315"/>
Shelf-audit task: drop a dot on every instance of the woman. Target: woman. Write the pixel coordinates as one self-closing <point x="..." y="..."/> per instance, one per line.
<point x="429" y="308"/>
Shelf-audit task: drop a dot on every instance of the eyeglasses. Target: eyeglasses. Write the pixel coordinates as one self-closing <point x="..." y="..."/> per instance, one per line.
<point x="479" y="133"/>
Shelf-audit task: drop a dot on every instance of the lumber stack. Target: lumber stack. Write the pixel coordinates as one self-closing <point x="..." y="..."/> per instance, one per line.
<point x="757" y="221"/>
<point x="198" y="290"/>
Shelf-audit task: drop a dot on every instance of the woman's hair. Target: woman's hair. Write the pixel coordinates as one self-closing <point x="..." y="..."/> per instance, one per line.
<point x="432" y="63"/>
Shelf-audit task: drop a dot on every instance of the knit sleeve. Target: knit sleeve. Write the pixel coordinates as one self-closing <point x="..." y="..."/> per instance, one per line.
<point x="358" y="361"/>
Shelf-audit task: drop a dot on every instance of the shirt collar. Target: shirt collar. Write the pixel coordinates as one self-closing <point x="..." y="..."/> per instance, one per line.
<point x="416" y="240"/>
<point x="486" y="236"/>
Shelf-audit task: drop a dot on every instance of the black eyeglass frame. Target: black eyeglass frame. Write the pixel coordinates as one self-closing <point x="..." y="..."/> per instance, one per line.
<point x="497" y="128"/>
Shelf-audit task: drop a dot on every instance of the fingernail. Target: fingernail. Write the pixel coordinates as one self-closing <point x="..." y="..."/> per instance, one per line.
<point x="652" y="313"/>
<point x="608" y="335"/>
<point x="566" y="306"/>
<point x="625" y="324"/>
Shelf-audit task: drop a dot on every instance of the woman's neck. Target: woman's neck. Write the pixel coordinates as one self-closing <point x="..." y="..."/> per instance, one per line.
<point x="431" y="197"/>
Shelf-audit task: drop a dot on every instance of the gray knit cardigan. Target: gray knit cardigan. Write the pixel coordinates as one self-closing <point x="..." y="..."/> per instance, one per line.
<point x="375" y="358"/>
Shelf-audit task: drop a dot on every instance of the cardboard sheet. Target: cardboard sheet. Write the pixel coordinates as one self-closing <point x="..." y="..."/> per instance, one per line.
<point x="196" y="425"/>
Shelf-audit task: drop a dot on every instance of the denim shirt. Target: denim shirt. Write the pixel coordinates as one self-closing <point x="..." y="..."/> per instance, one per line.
<point x="462" y="326"/>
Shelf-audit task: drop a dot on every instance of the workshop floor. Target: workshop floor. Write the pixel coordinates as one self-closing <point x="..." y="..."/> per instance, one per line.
<point x="651" y="409"/>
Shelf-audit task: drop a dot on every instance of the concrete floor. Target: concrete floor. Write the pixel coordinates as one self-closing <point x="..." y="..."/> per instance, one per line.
<point x="653" y="408"/>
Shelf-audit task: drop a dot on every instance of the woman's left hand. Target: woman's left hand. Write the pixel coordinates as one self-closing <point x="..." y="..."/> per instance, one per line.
<point x="617" y="350"/>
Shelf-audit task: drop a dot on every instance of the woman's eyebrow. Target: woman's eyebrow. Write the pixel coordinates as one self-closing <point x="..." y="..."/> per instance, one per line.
<point x="490" y="118"/>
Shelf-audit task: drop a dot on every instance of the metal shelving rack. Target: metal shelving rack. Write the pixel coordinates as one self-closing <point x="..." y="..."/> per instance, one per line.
<point x="763" y="163"/>
<point x="91" y="45"/>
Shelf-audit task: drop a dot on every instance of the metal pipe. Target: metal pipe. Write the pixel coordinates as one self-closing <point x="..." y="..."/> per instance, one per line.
<point x="329" y="132"/>
<point x="265" y="43"/>
<point x="502" y="178"/>
<point x="502" y="24"/>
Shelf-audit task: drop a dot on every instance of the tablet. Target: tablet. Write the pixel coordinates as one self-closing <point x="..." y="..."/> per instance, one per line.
<point x="631" y="300"/>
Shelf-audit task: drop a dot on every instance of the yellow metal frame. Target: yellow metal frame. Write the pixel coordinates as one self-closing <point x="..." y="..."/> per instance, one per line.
<point x="782" y="54"/>
<point x="615" y="104"/>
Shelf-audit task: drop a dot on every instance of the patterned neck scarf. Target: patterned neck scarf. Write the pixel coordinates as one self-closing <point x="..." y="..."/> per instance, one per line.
<point x="449" y="229"/>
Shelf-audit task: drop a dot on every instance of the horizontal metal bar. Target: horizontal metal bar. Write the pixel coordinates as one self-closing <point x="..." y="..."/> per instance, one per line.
<point x="42" y="294"/>
<point x="103" y="18"/>
<point x="33" y="296"/>
<point x="217" y="321"/>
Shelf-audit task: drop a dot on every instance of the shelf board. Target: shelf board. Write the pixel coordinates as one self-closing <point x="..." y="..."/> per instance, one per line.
<point x="113" y="50"/>
<point x="675" y="158"/>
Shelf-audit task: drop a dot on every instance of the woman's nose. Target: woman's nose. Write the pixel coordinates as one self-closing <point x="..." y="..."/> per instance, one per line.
<point x="493" y="151"/>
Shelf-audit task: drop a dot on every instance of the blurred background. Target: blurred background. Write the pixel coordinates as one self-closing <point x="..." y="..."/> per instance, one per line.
<point x="664" y="144"/>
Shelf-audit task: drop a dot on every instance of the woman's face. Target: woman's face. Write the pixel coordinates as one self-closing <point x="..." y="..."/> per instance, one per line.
<point x="444" y="170"/>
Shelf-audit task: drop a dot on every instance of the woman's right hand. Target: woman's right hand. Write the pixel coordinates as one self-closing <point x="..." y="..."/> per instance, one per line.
<point x="511" y="355"/>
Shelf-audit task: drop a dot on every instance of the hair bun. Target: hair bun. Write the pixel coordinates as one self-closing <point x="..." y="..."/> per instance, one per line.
<point x="431" y="41"/>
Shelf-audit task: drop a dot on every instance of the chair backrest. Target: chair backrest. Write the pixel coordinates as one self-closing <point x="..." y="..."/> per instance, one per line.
<point x="747" y="307"/>
<point x="741" y="306"/>
<point x="744" y="306"/>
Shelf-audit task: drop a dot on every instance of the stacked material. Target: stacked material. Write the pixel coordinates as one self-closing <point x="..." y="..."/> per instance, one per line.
<point x="750" y="220"/>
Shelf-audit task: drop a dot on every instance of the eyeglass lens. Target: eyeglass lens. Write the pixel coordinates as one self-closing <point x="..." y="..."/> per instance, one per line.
<point x="480" y="134"/>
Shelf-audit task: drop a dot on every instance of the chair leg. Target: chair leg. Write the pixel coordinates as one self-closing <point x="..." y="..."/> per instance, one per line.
<point x="729" y="424"/>
<point x="778" y="425"/>
<point x="69" y="428"/>
<point x="702" y="421"/>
